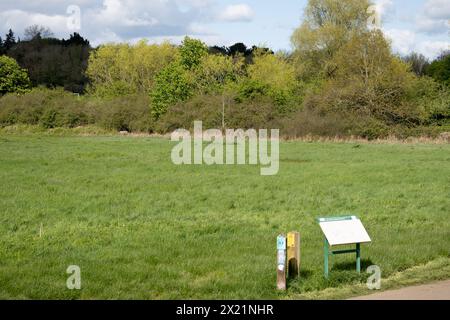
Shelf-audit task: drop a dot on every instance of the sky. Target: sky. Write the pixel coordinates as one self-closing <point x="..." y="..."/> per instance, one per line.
<point x="422" y="26"/>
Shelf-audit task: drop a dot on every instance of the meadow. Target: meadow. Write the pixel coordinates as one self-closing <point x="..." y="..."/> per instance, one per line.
<point x="141" y="227"/>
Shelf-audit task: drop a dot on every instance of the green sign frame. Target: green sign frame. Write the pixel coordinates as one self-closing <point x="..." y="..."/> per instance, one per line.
<point x="326" y="246"/>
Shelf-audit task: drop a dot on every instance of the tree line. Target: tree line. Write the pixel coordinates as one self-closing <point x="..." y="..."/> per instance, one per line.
<point x="341" y="78"/>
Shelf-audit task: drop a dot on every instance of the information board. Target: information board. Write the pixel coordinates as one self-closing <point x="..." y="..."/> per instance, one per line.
<point x="344" y="231"/>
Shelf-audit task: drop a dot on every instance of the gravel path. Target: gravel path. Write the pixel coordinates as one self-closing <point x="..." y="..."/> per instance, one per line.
<point x="433" y="291"/>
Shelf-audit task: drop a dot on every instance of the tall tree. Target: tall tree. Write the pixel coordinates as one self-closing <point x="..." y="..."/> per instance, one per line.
<point x="353" y="67"/>
<point x="439" y="69"/>
<point x="326" y="27"/>
<point x="239" y="48"/>
<point x="191" y="52"/>
<point x="116" y="69"/>
<point x="10" y="40"/>
<point x="53" y="62"/>
<point x="76" y="39"/>
<point x="418" y="63"/>
<point x="36" y="31"/>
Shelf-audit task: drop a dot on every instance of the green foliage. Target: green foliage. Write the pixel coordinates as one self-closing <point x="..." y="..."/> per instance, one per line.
<point x="12" y="77"/>
<point x="372" y="83"/>
<point x="173" y="84"/>
<point x="191" y="52"/>
<point x="433" y="97"/>
<point x="418" y="62"/>
<point x="256" y="113"/>
<point x="274" y="76"/>
<point x="57" y="108"/>
<point x="342" y="79"/>
<point x="53" y="62"/>
<point x="206" y="108"/>
<point x="439" y="69"/>
<point x="123" y="69"/>
<point x="326" y="27"/>
<point x="249" y="89"/>
<point x="355" y="75"/>
<point x="48" y="108"/>
<point x="217" y="72"/>
<point x="129" y="113"/>
<point x="49" y="119"/>
<point x="309" y="122"/>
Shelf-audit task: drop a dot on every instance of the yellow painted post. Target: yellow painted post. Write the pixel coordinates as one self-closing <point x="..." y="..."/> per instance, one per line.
<point x="293" y="254"/>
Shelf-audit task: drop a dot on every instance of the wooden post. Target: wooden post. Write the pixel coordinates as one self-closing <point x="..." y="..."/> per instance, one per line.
<point x="293" y="254"/>
<point x="281" y="262"/>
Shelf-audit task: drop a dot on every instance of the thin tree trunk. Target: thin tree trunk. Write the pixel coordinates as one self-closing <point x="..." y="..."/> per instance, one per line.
<point x="223" y="113"/>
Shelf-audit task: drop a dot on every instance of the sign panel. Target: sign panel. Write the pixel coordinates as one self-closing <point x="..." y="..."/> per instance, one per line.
<point x="281" y="242"/>
<point x="281" y="257"/>
<point x="345" y="231"/>
<point x="291" y="239"/>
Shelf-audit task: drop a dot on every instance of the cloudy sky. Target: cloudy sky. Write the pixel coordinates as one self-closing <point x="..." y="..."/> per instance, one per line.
<point x="413" y="25"/>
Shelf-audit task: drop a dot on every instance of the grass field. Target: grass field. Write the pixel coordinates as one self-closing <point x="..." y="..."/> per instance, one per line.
<point x="140" y="227"/>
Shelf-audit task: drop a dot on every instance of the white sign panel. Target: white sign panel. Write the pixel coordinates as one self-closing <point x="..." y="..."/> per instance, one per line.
<point x="347" y="231"/>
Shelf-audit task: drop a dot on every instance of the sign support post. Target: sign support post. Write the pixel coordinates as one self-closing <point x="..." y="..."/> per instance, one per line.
<point x="325" y="257"/>
<point x="293" y="254"/>
<point x="358" y="258"/>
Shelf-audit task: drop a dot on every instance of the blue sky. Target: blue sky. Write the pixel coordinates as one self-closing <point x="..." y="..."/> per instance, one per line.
<point x="412" y="25"/>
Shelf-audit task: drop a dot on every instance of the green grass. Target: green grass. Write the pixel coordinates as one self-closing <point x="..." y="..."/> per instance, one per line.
<point x="141" y="227"/>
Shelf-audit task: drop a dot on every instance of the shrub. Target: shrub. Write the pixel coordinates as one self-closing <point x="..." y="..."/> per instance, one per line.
<point x="310" y="122"/>
<point x="207" y="108"/>
<point x="130" y="113"/>
<point x="12" y="77"/>
<point x="256" y="114"/>
<point x="57" y="108"/>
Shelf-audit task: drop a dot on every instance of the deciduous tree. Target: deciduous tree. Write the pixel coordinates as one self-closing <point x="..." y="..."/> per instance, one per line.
<point x="12" y="77"/>
<point x="117" y="69"/>
<point x="326" y="27"/>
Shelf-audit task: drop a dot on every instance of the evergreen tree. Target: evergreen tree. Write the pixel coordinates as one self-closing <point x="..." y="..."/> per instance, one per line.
<point x="1" y="46"/>
<point x="10" y="40"/>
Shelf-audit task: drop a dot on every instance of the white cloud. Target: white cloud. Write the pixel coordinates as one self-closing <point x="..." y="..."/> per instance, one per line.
<point x="19" y="20"/>
<point x="432" y="26"/>
<point x="195" y="3"/>
<point x="434" y="18"/>
<point x="437" y="9"/>
<point x="210" y="40"/>
<point x="237" y="13"/>
<point x="112" y="20"/>
<point x="200" y="29"/>
<point x="117" y="13"/>
<point x="406" y="41"/>
<point x="403" y="41"/>
<point x="432" y="49"/>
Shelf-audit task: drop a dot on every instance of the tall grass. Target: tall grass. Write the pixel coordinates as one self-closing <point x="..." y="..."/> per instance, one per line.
<point x="140" y="227"/>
